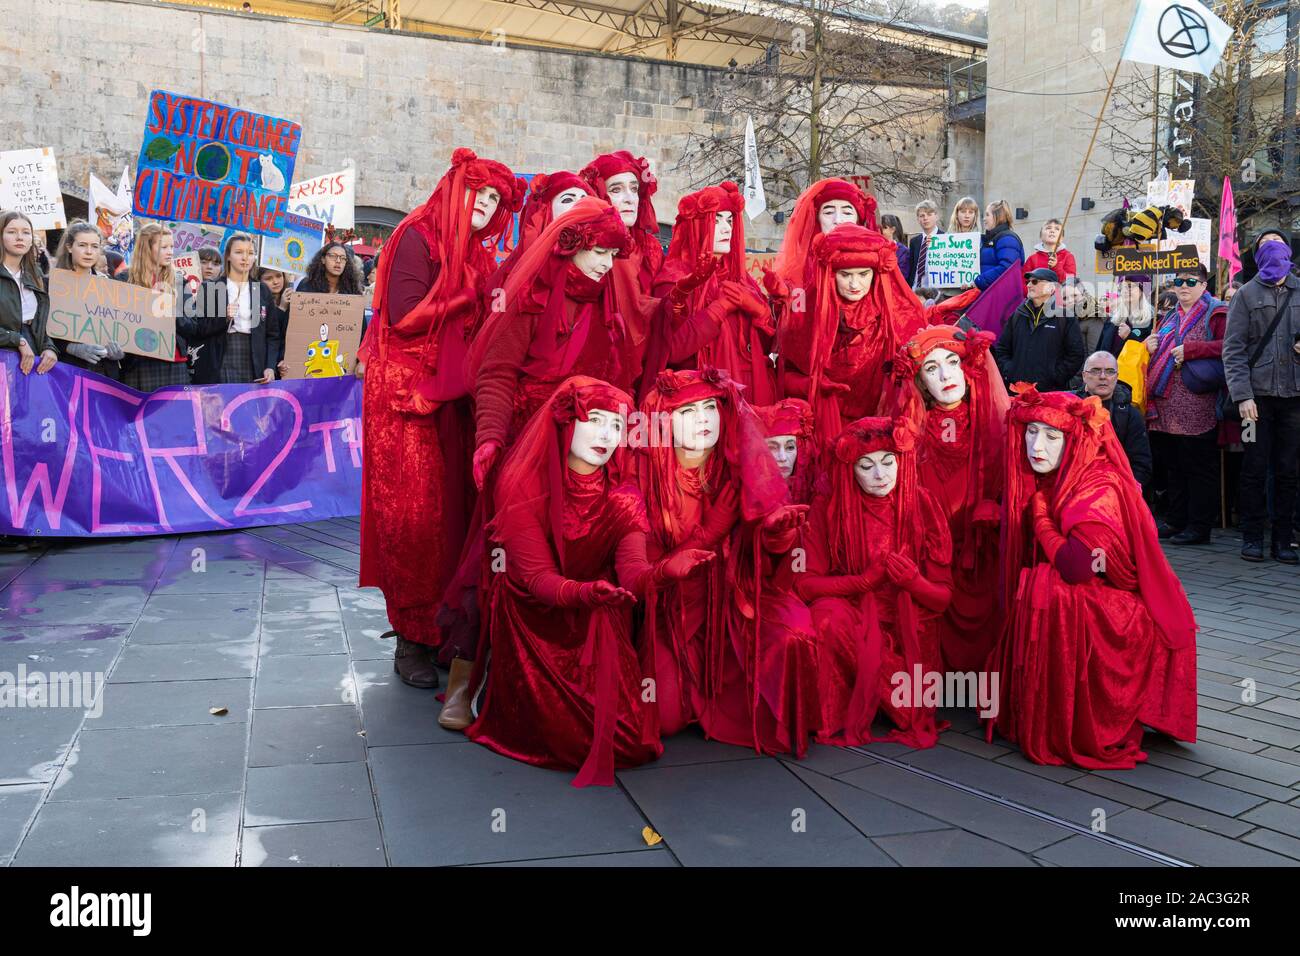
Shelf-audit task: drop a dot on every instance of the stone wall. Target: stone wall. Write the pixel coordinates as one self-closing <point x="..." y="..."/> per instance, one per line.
<point x="394" y="104"/>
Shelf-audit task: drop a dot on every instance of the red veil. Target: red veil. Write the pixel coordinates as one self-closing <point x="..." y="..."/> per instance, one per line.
<point x="536" y="215"/>
<point x="793" y="416"/>
<point x="645" y="231"/>
<point x="462" y="255"/>
<point x="792" y="262"/>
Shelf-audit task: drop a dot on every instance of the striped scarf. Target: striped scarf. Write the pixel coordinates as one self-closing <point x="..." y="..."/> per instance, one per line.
<point x="1161" y="370"/>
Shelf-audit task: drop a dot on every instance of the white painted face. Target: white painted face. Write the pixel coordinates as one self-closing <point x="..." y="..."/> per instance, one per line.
<point x="1043" y="445"/>
<point x="563" y="202"/>
<point x="722" y="226"/>
<point x="697" y="425"/>
<point x="594" y="263"/>
<point x="624" y="191"/>
<point x="943" y="377"/>
<point x="486" y="201"/>
<point x="596" y="439"/>
<point x="785" y="449"/>
<point x="835" y="212"/>
<point x="877" y="473"/>
<point x="853" y="284"/>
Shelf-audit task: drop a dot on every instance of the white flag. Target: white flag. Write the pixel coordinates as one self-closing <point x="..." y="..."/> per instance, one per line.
<point x="755" y="200"/>
<point x="1182" y="35"/>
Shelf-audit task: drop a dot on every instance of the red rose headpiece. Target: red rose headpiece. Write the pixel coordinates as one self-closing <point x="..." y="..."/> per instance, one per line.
<point x="612" y="164"/>
<point x="790" y="416"/>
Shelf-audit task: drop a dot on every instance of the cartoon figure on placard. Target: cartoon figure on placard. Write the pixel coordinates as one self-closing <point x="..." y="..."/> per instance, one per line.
<point x="324" y="360"/>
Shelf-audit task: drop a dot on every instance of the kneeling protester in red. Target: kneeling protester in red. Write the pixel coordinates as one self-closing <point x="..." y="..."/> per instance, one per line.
<point x="1100" y="638"/>
<point x="564" y="688"/>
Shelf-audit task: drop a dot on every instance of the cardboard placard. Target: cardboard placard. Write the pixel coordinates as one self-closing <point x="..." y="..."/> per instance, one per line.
<point x="293" y="249"/>
<point x="202" y="161"/>
<point x="29" y="183"/>
<point x="1147" y="261"/>
<point x="99" y="310"/>
<point x="311" y="351"/>
<point x="952" y="260"/>
<point x="331" y="198"/>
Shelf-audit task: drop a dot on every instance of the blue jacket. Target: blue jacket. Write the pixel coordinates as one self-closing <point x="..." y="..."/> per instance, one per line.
<point x="999" y="249"/>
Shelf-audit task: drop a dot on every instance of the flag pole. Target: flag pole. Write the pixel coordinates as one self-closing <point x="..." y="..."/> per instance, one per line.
<point x="1110" y="87"/>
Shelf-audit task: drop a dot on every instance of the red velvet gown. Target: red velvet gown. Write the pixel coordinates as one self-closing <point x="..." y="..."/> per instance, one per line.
<point x="558" y="673"/>
<point x="865" y="639"/>
<point x="1083" y="666"/>
<point x="971" y="623"/>
<point x="417" y="490"/>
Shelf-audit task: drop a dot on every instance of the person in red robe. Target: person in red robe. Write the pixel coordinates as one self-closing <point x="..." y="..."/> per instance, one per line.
<point x="950" y="387"/>
<point x="836" y="344"/>
<point x="821" y="207"/>
<point x="550" y="195"/>
<point x="719" y="650"/>
<point x="416" y="493"/>
<point x="789" y="428"/>
<point x="626" y="183"/>
<point x="877" y="580"/>
<point x="715" y="314"/>
<point x="1100" y="638"/>
<point x="563" y="679"/>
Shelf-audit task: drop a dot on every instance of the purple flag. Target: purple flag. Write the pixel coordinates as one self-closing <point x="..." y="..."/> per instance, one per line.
<point x="992" y="309"/>
<point x="1228" y="250"/>
<point x="82" y="455"/>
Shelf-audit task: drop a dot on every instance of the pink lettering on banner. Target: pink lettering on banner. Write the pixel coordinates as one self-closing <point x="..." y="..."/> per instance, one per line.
<point x="96" y="453"/>
<point x="39" y="480"/>
<point x="351" y="428"/>
<point x="171" y="454"/>
<point x="242" y="508"/>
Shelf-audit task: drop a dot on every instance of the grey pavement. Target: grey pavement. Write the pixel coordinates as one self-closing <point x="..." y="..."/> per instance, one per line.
<point x="249" y="715"/>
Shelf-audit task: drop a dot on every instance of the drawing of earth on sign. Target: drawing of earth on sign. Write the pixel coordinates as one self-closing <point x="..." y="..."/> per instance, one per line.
<point x="324" y="360"/>
<point x="212" y="162"/>
<point x="146" y="339"/>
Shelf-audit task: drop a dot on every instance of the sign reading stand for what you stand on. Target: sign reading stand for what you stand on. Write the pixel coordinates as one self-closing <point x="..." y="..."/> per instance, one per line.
<point x="210" y="163"/>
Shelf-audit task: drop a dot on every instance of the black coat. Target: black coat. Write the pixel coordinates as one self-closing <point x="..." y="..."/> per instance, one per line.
<point x="206" y="332"/>
<point x="1109" y="340"/>
<point x="1036" y="346"/>
<point x="1130" y="428"/>
<point x="11" y="315"/>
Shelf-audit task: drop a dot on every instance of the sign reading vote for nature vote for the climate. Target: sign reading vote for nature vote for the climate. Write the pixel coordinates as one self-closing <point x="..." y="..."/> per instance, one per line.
<point x="98" y="310"/>
<point x="952" y="260"/>
<point x="206" y="162"/>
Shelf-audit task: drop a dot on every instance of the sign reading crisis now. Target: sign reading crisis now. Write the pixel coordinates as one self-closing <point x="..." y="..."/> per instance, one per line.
<point x="206" y="162"/>
<point x="1130" y="262"/>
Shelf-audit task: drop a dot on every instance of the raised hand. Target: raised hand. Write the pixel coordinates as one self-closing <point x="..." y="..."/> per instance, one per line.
<point x="704" y="267"/>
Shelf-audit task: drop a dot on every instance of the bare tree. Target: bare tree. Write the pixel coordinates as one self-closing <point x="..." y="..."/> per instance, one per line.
<point x="840" y="92"/>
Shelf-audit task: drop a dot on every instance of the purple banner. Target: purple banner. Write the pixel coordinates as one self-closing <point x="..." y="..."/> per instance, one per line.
<point x="83" y="455"/>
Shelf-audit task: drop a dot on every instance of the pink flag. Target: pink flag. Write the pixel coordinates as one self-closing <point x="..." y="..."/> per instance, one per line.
<point x="1228" y="250"/>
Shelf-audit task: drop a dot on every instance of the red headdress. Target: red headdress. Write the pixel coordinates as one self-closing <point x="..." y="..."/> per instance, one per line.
<point x="460" y="251"/>
<point x="744" y="457"/>
<point x="612" y="164"/>
<point x="809" y="337"/>
<point x="793" y="416"/>
<point x="542" y="275"/>
<point x="792" y="263"/>
<point x="1093" y="463"/>
<point x="693" y="236"/>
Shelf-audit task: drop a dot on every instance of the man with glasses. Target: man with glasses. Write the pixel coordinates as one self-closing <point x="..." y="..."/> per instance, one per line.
<point x="1183" y="424"/>
<point x="1261" y="358"/>
<point x="1040" y="345"/>
<point x="1101" y="378"/>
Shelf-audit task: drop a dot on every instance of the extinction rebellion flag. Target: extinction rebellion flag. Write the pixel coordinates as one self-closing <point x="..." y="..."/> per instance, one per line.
<point x="1182" y="35"/>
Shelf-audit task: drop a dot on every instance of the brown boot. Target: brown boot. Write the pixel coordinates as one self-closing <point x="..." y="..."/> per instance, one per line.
<point x="414" y="664"/>
<point x="455" y="706"/>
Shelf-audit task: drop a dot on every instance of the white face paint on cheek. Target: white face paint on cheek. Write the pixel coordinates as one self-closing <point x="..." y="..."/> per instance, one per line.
<point x="564" y="201"/>
<point x="877" y="473"/>
<point x="944" y="379"/>
<point x="594" y="442"/>
<point x="696" y="428"/>
<point x="785" y="449"/>
<point x="1044" y="448"/>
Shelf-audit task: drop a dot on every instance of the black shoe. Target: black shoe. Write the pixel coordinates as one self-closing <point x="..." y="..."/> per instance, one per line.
<point x="1188" y="536"/>
<point x="1252" y="551"/>
<point x="1165" y="531"/>
<point x="1284" y="554"/>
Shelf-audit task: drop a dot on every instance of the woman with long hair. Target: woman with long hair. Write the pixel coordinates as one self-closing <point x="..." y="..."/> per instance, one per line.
<point x="1100" y="639"/>
<point x="24" y="301"/>
<point x="151" y="268"/>
<point x="891" y="227"/>
<point x="237" y="323"/>
<point x="79" y="251"/>
<point x="1000" y="247"/>
<point x="965" y="215"/>
<point x="626" y="183"/>
<point x="335" y="270"/>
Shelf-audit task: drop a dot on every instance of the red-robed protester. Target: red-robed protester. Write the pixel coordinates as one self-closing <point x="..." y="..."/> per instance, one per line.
<point x="550" y="195"/>
<point x="821" y="207"/>
<point x="561" y="316"/>
<point x="710" y="483"/>
<point x="563" y="680"/>
<point x="1100" y="638"/>
<point x="416" y="492"/>
<point x="715" y="314"/>
<point x="626" y="183"/>
<point x="788" y="426"/>
<point x="951" y="388"/>
<point x="877" y="581"/>
<point x="836" y="345"/>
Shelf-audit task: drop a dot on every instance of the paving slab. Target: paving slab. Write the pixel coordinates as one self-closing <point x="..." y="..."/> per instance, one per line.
<point x="342" y="843"/>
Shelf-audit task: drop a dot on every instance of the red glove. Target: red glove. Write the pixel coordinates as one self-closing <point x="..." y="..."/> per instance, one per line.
<point x="871" y="579"/>
<point x="485" y="458"/>
<point x="679" y="564"/>
<point x="463" y="301"/>
<point x="831" y="387"/>
<point x="704" y="267"/>
<point x="775" y="286"/>
<point x="604" y="594"/>
<point x="785" y="518"/>
<point x="721" y="516"/>
<point x="1045" y="530"/>
<point x="901" y="569"/>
